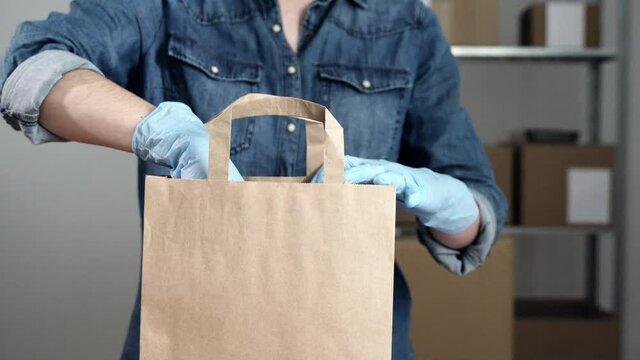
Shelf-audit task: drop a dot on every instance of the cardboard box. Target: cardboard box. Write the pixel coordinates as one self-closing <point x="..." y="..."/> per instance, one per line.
<point x="502" y="161"/>
<point x="405" y="219"/>
<point x="566" y="185"/>
<point x="563" y="339"/>
<point x="460" y="318"/>
<point x="565" y="329"/>
<point x="468" y="22"/>
<point x="561" y="24"/>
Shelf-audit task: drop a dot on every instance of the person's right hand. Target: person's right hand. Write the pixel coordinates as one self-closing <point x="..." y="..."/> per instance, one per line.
<point x="173" y="136"/>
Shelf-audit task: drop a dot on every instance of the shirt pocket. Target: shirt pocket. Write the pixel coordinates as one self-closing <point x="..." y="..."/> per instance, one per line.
<point x="209" y="82"/>
<point x="368" y="103"/>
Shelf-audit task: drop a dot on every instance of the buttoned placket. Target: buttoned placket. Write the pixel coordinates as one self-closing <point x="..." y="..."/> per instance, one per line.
<point x="292" y="136"/>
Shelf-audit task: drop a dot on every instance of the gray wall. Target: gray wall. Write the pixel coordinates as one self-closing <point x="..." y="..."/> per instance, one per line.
<point x="69" y="227"/>
<point x="69" y="238"/>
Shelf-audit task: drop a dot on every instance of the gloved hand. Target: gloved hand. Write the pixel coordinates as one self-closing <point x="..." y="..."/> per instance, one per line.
<point x="440" y="202"/>
<point x="173" y="136"/>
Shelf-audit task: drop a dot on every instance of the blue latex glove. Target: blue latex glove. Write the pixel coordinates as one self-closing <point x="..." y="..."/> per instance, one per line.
<point x="439" y="201"/>
<point x="173" y="136"/>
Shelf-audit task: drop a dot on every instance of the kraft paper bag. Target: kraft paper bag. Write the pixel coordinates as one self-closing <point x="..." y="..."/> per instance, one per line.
<point x="271" y="268"/>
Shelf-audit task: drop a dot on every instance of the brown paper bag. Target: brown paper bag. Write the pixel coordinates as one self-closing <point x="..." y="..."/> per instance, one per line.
<point x="268" y="269"/>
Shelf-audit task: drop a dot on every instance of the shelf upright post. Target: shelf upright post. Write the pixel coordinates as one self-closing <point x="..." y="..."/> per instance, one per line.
<point x="622" y="148"/>
<point x="595" y="102"/>
<point x="592" y="265"/>
<point x="594" y="131"/>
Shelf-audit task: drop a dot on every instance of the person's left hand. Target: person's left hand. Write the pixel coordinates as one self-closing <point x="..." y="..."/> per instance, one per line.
<point x="439" y="201"/>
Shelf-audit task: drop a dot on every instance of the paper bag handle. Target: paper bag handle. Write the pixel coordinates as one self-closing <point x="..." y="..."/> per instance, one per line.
<point x="330" y="139"/>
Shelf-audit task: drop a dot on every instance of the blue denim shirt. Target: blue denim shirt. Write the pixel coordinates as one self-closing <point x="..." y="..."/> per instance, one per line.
<point x="383" y="68"/>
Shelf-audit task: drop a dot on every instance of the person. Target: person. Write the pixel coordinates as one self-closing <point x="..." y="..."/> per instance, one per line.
<point x="142" y="76"/>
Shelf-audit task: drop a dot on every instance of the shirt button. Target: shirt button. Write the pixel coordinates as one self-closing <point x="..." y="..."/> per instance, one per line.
<point x="366" y="84"/>
<point x="276" y="28"/>
<point x="215" y="70"/>
<point x="291" y="127"/>
<point x="291" y="70"/>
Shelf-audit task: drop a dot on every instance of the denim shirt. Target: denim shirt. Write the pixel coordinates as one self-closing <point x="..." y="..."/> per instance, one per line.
<point x="383" y="69"/>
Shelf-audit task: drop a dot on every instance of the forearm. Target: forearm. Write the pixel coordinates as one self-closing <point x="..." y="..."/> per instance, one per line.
<point x="86" y="107"/>
<point x="458" y="240"/>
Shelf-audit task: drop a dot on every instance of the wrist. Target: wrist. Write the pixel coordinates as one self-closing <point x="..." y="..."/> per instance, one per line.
<point x="459" y="240"/>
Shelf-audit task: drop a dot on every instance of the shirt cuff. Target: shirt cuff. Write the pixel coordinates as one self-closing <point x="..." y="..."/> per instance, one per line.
<point x="29" y="84"/>
<point x="465" y="261"/>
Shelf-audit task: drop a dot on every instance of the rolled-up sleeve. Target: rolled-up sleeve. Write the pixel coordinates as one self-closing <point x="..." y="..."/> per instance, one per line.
<point x="462" y="262"/>
<point x="29" y="84"/>
<point x="438" y="134"/>
<point x="109" y="37"/>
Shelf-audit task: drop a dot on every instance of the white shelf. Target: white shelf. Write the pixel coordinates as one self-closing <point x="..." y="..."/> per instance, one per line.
<point x="555" y="230"/>
<point x="526" y="53"/>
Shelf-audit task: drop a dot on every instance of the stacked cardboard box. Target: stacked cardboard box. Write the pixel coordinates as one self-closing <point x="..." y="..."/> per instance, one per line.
<point x="561" y="24"/>
<point x="562" y="329"/>
<point x="564" y="185"/>
<point x="502" y="160"/>
<point x="468" y="22"/>
<point x="460" y="318"/>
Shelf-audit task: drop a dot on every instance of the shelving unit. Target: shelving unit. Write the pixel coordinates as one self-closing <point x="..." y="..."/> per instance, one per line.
<point x="563" y="327"/>
<point x="526" y="309"/>
<point x="594" y="59"/>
